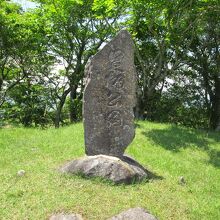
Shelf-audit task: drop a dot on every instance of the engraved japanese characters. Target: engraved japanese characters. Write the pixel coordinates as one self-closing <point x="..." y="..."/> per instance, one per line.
<point x="109" y="98"/>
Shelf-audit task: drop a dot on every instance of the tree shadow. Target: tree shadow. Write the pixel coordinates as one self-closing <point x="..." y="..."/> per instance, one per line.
<point x="215" y="135"/>
<point x="137" y="125"/>
<point x="214" y="157"/>
<point x="150" y="175"/>
<point x="176" y="138"/>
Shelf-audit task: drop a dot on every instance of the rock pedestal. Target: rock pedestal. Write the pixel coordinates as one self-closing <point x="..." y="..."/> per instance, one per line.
<point x="124" y="170"/>
<point x="62" y="216"/>
<point x="134" y="214"/>
<point x="130" y="214"/>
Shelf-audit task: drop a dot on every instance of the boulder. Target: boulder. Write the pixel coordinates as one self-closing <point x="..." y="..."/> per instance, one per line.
<point x="134" y="214"/>
<point x="119" y="170"/>
<point x="62" y="216"/>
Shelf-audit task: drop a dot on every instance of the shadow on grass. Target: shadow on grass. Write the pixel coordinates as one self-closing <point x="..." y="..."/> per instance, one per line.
<point x="132" y="162"/>
<point x="175" y="138"/>
<point x="214" y="158"/>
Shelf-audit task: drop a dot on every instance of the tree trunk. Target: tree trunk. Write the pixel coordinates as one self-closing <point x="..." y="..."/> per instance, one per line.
<point x="60" y="107"/>
<point x="145" y="105"/>
<point x="138" y="110"/>
<point x="73" y="107"/>
<point x="1" y="83"/>
<point x="215" y="113"/>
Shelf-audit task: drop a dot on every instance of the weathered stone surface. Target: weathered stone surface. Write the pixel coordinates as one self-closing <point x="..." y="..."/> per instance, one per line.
<point x="66" y="217"/>
<point x="109" y="98"/>
<point x="134" y="214"/>
<point x="124" y="170"/>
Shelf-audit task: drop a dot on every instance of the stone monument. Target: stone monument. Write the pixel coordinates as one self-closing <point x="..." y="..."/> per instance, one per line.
<point x="109" y="98"/>
<point x="108" y="102"/>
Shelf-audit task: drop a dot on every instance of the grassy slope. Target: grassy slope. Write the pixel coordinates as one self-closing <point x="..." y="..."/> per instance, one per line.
<point x="167" y="150"/>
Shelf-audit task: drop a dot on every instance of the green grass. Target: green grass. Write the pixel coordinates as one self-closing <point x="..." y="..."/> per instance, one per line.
<point x="167" y="150"/>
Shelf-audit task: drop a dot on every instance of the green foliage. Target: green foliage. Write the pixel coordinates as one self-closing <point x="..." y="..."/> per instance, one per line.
<point x="29" y="105"/>
<point x="23" y="51"/>
<point x="165" y="33"/>
<point x="167" y="150"/>
<point x="76" y="107"/>
<point x="180" y="105"/>
<point x="174" y="40"/>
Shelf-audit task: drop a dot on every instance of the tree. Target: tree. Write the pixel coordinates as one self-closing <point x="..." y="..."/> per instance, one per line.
<point x="43" y="53"/>
<point x="203" y="55"/>
<point x="156" y="26"/>
<point x="9" y="73"/>
<point x="24" y="58"/>
<point x="77" y="30"/>
<point x="175" y="39"/>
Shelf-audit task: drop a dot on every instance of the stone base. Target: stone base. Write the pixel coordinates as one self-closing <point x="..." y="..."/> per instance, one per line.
<point x="130" y="214"/>
<point x="118" y="170"/>
<point x="66" y="217"/>
<point x="134" y="214"/>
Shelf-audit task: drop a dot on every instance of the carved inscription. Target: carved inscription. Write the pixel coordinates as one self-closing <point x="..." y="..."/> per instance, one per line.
<point x="115" y="85"/>
<point x="116" y="79"/>
<point x="114" y="99"/>
<point x="114" y="118"/>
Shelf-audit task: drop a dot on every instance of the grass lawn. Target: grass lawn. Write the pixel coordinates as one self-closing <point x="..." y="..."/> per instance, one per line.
<point x="167" y="150"/>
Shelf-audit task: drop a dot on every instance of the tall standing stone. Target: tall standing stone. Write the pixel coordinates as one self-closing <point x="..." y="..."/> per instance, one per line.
<point x="109" y="98"/>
